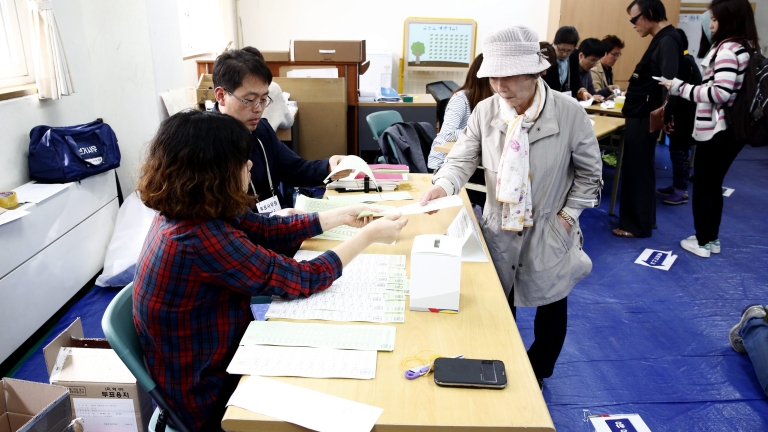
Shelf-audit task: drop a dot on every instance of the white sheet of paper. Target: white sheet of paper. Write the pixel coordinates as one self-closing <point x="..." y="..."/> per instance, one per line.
<point x="114" y="415"/>
<point x="266" y="360"/>
<point x="727" y="191"/>
<point x="350" y="337"/>
<point x="11" y="215"/>
<point x="618" y="421"/>
<point x="369" y="197"/>
<point x="37" y="192"/>
<point x="436" y="204"/>
<point x="608" y="104"/>
<point x="657" y="259"/>
<point x="587" y="103"/>
<point x="351" y="163"/>
<point x="462" y="227"/>
<point x="319" y="411"/>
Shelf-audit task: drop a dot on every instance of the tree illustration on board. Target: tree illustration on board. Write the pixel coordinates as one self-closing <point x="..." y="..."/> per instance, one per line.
<point x="417" y="48"/>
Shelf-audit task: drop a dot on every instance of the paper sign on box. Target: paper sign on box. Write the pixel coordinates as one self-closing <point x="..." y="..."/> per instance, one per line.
<point x="435" y="273"/>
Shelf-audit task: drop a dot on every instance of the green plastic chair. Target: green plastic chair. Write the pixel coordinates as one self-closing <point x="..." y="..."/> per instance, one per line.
<point x="379" y="122"/>
<point x="118" y="327"/>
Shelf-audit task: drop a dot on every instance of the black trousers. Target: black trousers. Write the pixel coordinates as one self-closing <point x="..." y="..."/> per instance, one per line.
<point x="637" y="212"/>
<point x="549" y="329"/>
<point x="713" y="159"/>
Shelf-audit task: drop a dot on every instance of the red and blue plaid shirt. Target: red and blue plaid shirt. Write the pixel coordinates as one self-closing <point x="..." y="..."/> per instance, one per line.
<point x="191" y="298"/>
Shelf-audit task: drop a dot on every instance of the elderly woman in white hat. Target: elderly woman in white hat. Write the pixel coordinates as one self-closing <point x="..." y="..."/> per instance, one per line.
<point x="542" y="168"/>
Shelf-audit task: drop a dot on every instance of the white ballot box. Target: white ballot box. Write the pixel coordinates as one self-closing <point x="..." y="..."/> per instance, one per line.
<point x="435" y="273"/>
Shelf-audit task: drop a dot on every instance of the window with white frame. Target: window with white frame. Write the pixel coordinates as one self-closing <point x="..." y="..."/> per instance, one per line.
<point x="15" y="56"/>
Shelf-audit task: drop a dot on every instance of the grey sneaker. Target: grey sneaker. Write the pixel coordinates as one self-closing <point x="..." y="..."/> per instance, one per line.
<point x="734" y="337"/>
<point x="714" y="246"/>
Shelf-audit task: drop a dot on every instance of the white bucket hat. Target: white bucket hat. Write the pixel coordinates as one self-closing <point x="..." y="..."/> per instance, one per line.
<point x="511" y="51"/>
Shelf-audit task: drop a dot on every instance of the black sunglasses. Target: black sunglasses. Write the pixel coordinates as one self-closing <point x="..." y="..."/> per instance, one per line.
<point x="634" y="19"/>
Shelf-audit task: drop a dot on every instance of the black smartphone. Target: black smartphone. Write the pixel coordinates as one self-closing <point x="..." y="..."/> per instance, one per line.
<point x="459" y="372"/>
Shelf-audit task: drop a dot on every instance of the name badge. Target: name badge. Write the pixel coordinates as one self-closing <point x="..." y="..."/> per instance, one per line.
<point x="268" y="206"/>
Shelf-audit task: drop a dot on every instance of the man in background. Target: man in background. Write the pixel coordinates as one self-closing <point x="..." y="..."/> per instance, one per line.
<point x="602" y="73"/>
<point x="589" y="54"/>
<point x="561" y="76"/>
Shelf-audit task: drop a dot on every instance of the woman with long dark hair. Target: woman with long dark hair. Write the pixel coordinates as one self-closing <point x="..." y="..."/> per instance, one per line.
<point x="463" y="101"/>
<point x="734" y="38"/>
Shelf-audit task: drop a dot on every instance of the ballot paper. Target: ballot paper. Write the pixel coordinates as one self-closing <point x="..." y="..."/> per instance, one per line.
<point x="305" y="362"/>
<point x="12" y="215"/>
<point x="462" y="227"/>
<point x="727" y="191"/>
<point x="587" y="103"/>
<point x="341" y="232"/>
<point x="608" y="104"/>
<point x="37" y="192"/>
<point x="619" y="422"/>
<point x="350" y="337"/>
<point x="353" y="163"/>
<point x="317" y="411"/>
<point x="436" y="204"/>
<point x="371" y="197"/>
<point x="372" y="289"/>
<point x="656" y="259"/>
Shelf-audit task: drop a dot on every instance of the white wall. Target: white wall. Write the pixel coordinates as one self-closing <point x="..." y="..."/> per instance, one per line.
<point x="18" y="116"/>
<point x="271" y="24"/>
<point x="122" y="54"/>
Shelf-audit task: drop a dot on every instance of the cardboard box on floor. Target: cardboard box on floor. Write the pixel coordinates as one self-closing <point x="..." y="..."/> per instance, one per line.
<point x="33" y="407"/>
<point x="323" y="103"/>
<point x="104" y="392"/>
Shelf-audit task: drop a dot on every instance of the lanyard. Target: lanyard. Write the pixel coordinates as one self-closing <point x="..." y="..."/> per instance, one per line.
<point x="269" y="175"/>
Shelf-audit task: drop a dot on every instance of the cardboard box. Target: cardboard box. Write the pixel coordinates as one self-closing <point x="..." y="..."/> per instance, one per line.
<point x="33" y="407"/>
<point x="323" y="103"/>
<point x="339" y="51"/>
<point x="104" y="393"/>
<point x="276" y="56"/>
<point x="435" y="273"/>
<point x="205" y="89"/>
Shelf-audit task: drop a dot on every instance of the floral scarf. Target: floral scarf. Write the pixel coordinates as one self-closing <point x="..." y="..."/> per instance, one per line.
<point x="513" y="183"/>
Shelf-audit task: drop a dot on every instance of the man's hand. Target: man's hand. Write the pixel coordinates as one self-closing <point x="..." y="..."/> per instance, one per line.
<point x="288" y="212"/>
<point x="348" y="215"/>
<point x="599" y="98"/>
<point x="333" y="161"/>
<point x="585" y="96"/>
<point x="565" y="224"/>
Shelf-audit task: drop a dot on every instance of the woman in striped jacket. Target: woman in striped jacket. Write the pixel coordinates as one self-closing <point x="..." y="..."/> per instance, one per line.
<point x="732" y="21"/>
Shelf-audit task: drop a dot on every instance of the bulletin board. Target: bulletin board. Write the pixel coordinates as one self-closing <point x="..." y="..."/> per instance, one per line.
<point x="691" y="25"/>
<point x="439" y="44"/>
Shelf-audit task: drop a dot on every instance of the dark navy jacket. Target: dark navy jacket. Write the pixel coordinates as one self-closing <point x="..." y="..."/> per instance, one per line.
<point x="285" y="166"/>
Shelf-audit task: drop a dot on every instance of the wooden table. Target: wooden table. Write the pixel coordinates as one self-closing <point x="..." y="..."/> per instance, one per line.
<point x="604" y="126"/>
<point x="612" y="112"/>
<point x="483" y="329"/>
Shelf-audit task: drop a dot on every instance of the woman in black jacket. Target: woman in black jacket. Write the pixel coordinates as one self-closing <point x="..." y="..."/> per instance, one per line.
<point x="637" y="216"/>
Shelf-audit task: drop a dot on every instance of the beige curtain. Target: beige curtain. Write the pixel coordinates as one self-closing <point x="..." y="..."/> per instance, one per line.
<point x="51" y="68"/>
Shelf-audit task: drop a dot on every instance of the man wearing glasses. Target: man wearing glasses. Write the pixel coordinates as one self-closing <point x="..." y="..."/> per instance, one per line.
<point x="241" y="85"/>
<point x="589" y="54"/>
<point x="563" y="76"/>
<point x="602" y="73"/>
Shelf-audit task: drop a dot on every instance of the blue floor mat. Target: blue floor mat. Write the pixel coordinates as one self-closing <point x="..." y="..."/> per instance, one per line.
<point x="640" y="340"/>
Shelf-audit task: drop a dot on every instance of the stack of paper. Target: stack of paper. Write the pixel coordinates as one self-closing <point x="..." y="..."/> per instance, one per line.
<point x="372" y="289"/>
<point x="386" y="181"/>
<point x="342" y="232"/>
<point x="371" y="197"/>
<point x="389" y="168"/>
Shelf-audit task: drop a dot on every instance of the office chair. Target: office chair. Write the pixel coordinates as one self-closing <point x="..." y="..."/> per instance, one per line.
<point x="118" y="327"/>
<point x="379" y="122"/>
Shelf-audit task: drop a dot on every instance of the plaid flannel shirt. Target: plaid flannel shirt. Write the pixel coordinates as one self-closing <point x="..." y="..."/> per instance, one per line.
<point x="191" y="298"/>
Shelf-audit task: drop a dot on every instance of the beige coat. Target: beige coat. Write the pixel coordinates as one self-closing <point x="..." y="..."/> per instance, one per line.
<point x="542" y="262"/>
<point x="599" y="80"/>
